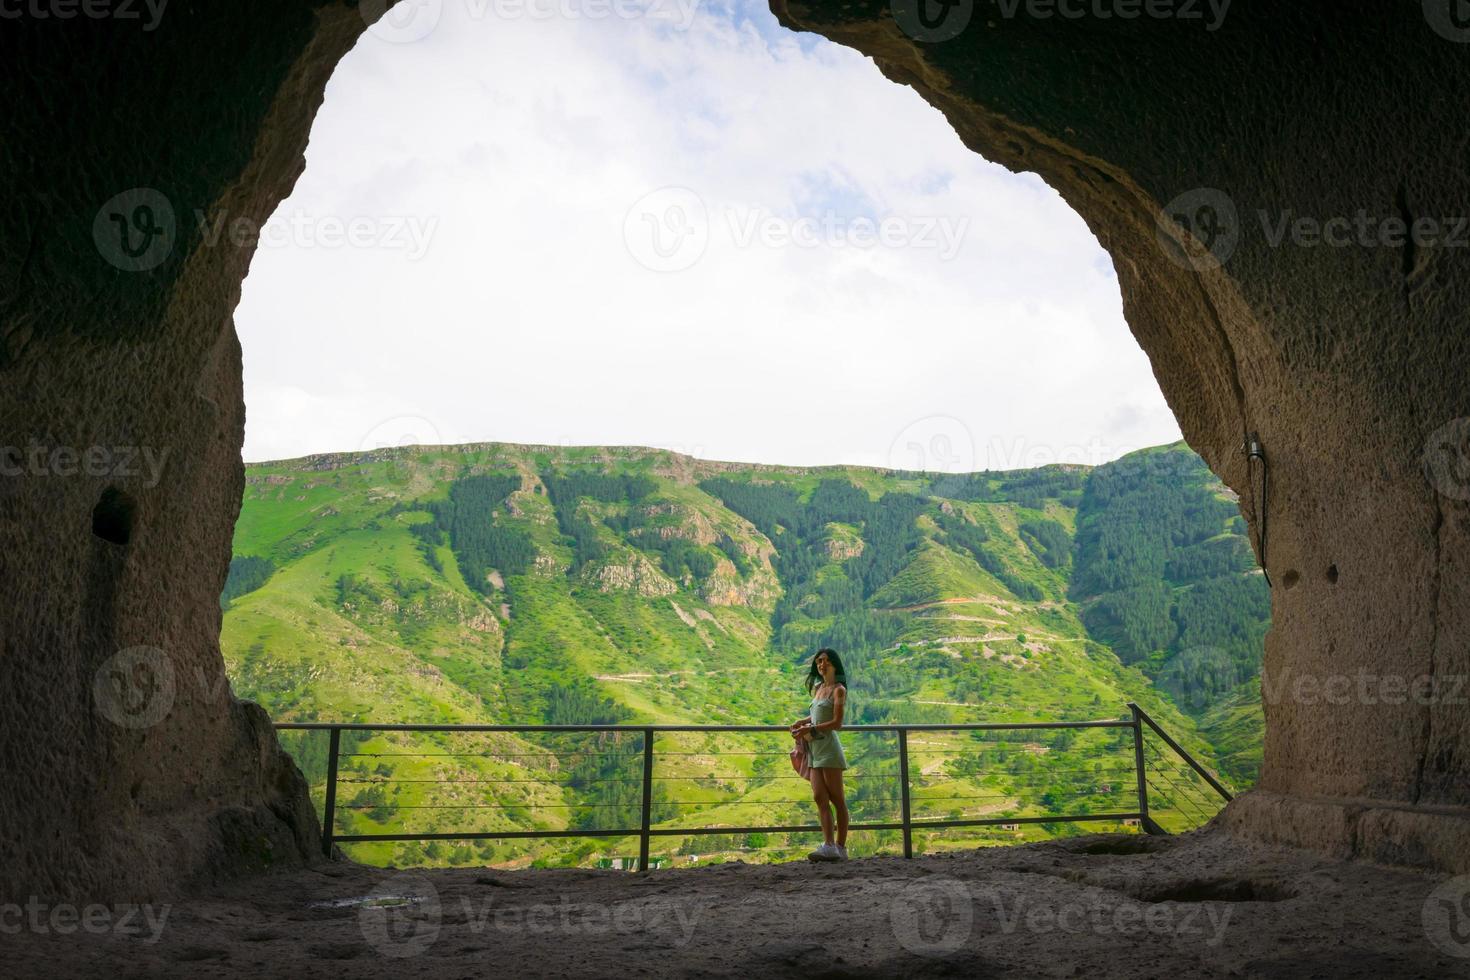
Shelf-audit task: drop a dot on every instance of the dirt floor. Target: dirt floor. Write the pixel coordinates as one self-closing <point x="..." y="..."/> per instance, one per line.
<point x="1203" y="905"/>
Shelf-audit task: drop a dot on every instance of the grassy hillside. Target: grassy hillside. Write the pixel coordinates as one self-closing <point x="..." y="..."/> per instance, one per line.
<point x="501" y="583"/>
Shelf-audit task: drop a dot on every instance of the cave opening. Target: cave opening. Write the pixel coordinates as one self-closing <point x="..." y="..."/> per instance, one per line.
<point x="1347" y="358"/>
<point x="510" y="233"/>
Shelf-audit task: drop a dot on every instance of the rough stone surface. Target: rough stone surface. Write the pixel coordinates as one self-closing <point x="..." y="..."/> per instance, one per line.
<point x="1422" y="836"/>
<point x="1349" y="361"/>
<point x="1102" y="906"/>
<point x="166" y="779"/>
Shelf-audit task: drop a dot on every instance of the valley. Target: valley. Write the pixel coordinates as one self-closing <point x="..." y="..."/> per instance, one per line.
<point x="497" y="583"/>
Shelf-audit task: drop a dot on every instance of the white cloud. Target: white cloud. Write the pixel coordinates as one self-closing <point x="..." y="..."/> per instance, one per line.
<point x="516" y="148"/>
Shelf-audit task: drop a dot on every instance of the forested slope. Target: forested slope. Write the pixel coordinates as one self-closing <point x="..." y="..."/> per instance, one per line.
<point x="595" y="585"/>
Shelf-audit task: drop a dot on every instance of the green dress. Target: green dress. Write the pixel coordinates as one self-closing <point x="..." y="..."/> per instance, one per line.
<point x="826" y="750"/>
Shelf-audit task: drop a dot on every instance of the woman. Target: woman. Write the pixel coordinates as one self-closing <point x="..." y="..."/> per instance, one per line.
<point x="826" y="682"/>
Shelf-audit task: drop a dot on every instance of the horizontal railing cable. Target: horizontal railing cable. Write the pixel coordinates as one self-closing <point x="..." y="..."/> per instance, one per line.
<point x="1073" y="785"/>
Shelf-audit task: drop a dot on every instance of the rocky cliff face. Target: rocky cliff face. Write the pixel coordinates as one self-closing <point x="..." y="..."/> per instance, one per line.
<point x="639" y="576"/>
<point x="1348" y="359"/>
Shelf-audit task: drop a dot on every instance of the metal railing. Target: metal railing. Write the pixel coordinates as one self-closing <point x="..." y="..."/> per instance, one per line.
<point x="1169" y="778"/>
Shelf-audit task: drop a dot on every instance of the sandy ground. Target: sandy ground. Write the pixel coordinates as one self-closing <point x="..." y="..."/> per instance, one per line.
<point x="1202" y="905"/>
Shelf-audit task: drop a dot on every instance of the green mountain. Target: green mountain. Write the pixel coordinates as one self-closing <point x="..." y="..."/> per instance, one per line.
<point x="532" y="584"/>
<point x="1166" y="578"/>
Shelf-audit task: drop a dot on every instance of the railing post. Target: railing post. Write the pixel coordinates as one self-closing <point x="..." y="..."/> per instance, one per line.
<point x="1203" y="773"/>
<point x="903" y="792"/>
<point x="1143" y="818"/>
<point x="647" y="820"/>
<point x="329" y="817"/>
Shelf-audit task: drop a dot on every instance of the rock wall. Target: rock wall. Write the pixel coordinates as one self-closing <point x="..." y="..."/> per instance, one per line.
<point x="131" y="771"/>
<point x="1284" y="190"/>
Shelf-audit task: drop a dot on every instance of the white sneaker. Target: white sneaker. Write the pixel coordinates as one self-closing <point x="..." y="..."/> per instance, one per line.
<point x="841" y="852"/>
<point x="827" y="852"/>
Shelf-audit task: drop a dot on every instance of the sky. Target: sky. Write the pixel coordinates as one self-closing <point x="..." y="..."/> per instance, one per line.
<point x="672" y="223"/>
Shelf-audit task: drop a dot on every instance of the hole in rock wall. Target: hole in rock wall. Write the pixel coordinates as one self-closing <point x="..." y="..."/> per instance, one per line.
<point x="112" y="518"/>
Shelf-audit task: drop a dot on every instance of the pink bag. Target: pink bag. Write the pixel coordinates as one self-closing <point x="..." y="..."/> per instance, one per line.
<point x="801" y="759"/>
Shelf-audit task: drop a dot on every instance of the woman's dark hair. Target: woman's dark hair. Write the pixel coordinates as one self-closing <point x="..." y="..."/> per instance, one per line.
<point x="814" y="677"/>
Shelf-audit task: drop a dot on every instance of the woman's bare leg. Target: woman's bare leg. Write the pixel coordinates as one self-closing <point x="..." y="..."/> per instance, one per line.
<point x="819" y="794"/>
<point x="833" y="780"/>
